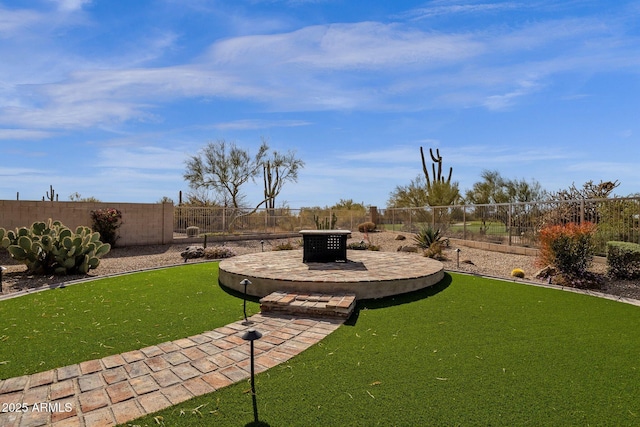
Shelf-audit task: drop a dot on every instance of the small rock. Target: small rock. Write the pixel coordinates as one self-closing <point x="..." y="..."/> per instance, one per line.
<point x="192" y="252"/>
<point x="401" y="237"/>
<point x="407" y="248"/>
<point x="467" y="261"/>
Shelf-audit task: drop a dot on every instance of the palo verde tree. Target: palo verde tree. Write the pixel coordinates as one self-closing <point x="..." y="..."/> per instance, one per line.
<point x="412" y="195"/>
<point x="493" y="189"/>
<point x="225" y="168"/>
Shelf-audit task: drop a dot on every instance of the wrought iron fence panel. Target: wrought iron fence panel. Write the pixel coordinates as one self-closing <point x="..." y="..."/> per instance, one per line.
<point x="506" y="223"/>
<point x="519" y="223"/>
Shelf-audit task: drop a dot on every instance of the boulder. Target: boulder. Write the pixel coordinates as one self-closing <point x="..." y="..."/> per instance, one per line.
<point x="192" y="252"/>
<point x="401" y="237"/>
<point x="407" y="248"/>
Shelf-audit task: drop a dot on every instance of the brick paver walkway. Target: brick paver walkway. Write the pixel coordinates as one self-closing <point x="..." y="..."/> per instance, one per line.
<point x="120" y="388"/>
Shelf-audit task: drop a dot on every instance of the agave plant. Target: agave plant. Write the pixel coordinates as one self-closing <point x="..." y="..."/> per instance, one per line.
<point x="427" y="236"/>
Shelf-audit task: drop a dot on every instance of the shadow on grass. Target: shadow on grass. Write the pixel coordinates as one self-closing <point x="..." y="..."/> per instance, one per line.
<point x="370" y="304"/>
<point x="374" y="304"/>
<point x="238" y="294"/>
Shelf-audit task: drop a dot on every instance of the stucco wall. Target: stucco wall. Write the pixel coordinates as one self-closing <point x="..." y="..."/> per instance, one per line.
<point x="142" y="223"/>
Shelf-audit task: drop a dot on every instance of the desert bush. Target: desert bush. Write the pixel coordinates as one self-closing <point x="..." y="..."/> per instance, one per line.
<point x="435" y="251"/>
<point x="363" y="246"/>
<point x="358" y="246"/>
<point x="106" y="222"/>
<point x="218" y="252"/>
<point x="284" y="246"/>
<point x="367" y="227"/>
<point x="623" y="260"/>
<point x="570" y="249"/>
<point x="518" y="272"/>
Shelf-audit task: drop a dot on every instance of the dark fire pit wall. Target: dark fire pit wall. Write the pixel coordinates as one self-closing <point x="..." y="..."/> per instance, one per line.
<point x="324" y="245"/>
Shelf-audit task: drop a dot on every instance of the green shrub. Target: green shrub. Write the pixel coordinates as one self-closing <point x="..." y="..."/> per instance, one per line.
<point x="367" y="227"/>
<point x="52" y="248"/>
<point x="623" y="259"/>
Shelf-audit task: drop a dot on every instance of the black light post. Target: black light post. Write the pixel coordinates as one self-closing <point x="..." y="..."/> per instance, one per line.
<point x="2" y="269"/>
<point x="262" y="244"/>
<point x="458" y="257"/>
<point x="245" y="282"/>
<point x="251" y="335"/>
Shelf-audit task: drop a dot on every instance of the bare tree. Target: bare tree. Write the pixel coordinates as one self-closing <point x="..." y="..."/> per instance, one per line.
<point x="277" y="170"/>
<point x="224" y="167"/>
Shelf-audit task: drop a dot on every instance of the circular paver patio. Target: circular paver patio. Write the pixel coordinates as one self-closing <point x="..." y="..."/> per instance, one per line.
<point x="367" y="274"/>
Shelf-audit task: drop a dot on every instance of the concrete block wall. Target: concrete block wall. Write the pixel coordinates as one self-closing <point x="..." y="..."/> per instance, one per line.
<point x="142" y="223"/>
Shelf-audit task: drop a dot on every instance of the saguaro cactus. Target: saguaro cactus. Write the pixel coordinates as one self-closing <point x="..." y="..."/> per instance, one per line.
<point x="436" y="176"/>
<point x="51" y="194"/>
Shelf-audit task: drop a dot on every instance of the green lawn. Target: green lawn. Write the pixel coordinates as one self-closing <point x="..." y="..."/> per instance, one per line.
<point x="473" y="351"/>
<point x="470" y="351"/>
<point x="110" y="316"/>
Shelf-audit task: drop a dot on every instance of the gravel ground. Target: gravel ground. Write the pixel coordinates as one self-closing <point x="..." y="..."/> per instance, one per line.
<point x="121" y="260"/>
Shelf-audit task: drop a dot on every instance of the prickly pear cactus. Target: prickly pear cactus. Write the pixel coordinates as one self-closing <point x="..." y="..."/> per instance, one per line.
<point x="51" y="247"/>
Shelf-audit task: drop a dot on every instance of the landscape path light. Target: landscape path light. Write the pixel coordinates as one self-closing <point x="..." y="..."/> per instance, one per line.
<point x="245" y="282"/>
<point x="458" y="257"/>
<point x="2" y="269"/>
<point x="251" y="335"/>
<point x="262" y="244"/>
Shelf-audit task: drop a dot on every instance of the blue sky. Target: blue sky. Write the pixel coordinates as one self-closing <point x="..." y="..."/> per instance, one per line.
<point x="108" y="98"/>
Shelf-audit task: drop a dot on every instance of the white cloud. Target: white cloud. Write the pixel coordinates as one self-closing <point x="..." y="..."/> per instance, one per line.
<point x="457" y="9"/>
<point x="364" y="45"/>
<point x="13" y="20"/>
<point x="366" y="65"/>
<point x="249" y="124"/>
<point x="22" y="134"/>
<point x="70" y="5"/>
<point x="503" y="102"/>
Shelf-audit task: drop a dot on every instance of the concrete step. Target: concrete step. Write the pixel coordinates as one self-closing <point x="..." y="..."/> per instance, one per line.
<point x="313" y="304"/>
